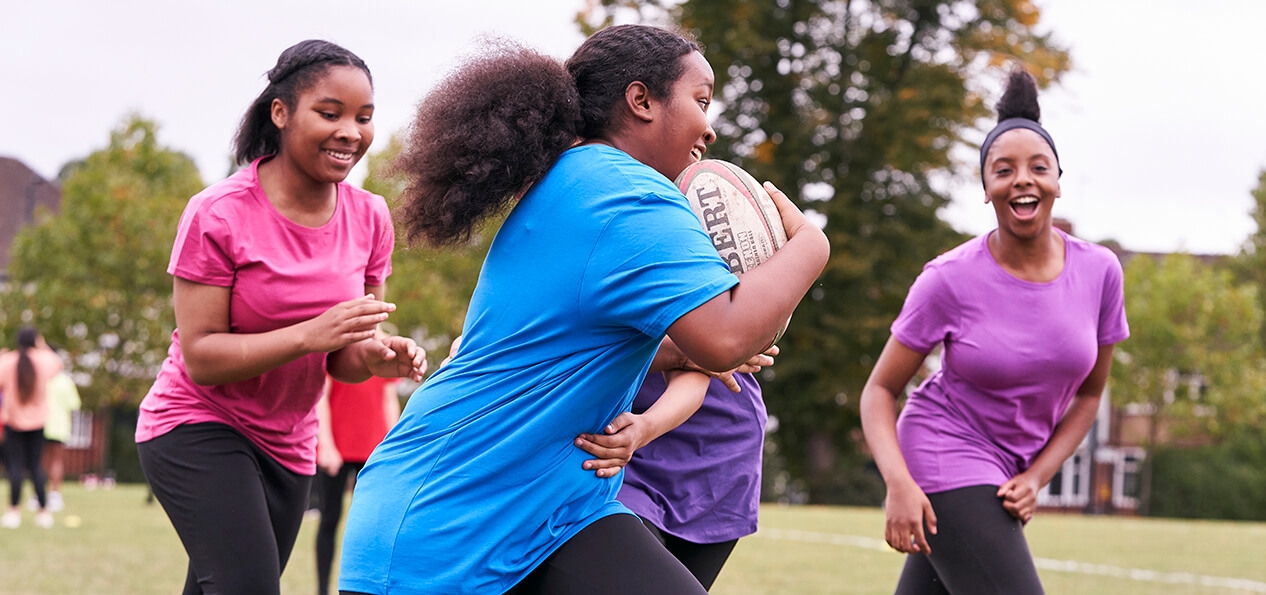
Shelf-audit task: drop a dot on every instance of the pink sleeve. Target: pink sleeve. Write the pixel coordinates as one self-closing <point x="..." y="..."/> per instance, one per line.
<point x="200" y="253"/>
<point x="379" y="266"/>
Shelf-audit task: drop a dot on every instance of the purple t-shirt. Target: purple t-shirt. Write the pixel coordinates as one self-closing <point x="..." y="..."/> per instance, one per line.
<point x="279" y="273"/>
<point x="1015" y="354"/>
<point x="701" y="481"/>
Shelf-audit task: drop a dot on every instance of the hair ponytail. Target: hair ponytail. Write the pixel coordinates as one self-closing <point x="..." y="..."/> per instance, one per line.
<point x="1017" y="108"/>
<point x="487" y="132"/>
<point x="26" y="368"/>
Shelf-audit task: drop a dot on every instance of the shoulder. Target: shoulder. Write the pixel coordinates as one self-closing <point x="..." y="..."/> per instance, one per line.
<point x="612" y="168"/>
<point x="226" y="197"/>
<point x="362" y="199"/>
<point x="969" y="254"/>
<point x="1092" y="256"/>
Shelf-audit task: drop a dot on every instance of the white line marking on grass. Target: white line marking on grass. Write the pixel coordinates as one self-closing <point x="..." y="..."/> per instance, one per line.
<point x="1073" y="566"/>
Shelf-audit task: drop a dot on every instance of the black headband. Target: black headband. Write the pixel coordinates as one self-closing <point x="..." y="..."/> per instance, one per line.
<point x="1012" y="124"/>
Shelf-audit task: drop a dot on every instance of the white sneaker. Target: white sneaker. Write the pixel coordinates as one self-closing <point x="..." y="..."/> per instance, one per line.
<point x="32" y="504"/>
<point x="11" y="520"/>
<point x="55" y="503"/>
<point x="44" y="519"/>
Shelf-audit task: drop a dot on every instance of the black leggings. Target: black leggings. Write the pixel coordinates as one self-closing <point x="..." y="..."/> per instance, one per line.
<point x="614" y="555"/>
<point x="979" y="548"/>
<point x="330" y="490"/>
<point x="704" y="560"/>
<point x="236" y="509"/>
<point x="24" y="451"/>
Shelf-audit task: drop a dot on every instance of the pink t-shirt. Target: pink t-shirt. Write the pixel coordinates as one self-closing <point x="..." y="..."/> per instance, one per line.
<point x="1015" y="354"/>
<point x="280" y="273"/>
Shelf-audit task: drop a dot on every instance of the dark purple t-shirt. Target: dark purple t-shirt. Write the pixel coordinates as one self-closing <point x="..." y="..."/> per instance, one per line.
<point x="701" y="481"/>
<point x="1015" y="354"/>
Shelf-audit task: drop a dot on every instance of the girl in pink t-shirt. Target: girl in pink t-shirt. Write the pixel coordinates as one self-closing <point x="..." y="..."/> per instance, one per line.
<point x="24" y="377"/>
<point x="279" y="278"/>
<point x="1028" y="317"/>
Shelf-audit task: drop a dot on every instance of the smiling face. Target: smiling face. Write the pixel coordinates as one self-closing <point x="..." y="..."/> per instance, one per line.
<point x="683" y="130"/>
<point x="1022" y="181"/>
<point x="330" y="128"/>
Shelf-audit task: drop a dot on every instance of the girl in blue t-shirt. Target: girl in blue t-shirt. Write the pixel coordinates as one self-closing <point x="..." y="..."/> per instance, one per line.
<point x="479" y="488"/>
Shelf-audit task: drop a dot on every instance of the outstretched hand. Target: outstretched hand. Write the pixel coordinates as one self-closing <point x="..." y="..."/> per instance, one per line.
<point x="390" y="356"/>
<point x="346" y="323"/>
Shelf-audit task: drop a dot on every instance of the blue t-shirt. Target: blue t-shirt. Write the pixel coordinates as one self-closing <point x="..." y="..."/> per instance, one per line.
<point x="480" y="481"/>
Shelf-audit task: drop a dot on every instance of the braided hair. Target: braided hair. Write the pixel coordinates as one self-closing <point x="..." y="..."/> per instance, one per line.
<point x="298" y="68"/>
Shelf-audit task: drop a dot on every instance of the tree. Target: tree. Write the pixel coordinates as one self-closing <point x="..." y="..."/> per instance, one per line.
<point x="855" y="108"/>
<point x="1194" y="356"/>
<point x="93" y="278"/>
<point x="431" y="288"/>
<point x="1250" y="264"/>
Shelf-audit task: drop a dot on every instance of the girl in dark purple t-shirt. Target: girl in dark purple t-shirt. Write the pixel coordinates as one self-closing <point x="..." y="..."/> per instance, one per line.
<point x="1028" y="317"/>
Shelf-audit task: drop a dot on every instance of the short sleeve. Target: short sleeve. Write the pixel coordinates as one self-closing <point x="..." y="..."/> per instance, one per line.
<point x="924" y="320"/>
<point x="1113" y="327"/>
<point x="201" y="251"/>
<point x="652" y="264"/>
<point x="379" y="266"/>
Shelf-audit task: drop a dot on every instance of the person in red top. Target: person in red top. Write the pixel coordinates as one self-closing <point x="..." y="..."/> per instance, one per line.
<point x="353" y="419"/>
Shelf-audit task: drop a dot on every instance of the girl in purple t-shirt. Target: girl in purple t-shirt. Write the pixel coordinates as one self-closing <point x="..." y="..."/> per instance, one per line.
<point x="1028" y="317"/>
<point x="279" y="277"/>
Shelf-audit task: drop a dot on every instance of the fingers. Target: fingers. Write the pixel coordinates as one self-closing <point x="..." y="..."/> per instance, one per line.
<point x="727" y="378"/>
<point x="929" y="517"/>
<point x="620" y="422"/>
<point x="791" y="216"/>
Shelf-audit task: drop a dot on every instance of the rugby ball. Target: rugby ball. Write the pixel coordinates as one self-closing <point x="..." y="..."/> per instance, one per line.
<point x="736" y="212"/>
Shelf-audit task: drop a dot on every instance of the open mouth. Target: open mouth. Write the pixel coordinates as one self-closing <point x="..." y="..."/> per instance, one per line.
<point x="1025" y="206"/>
<point x="697" y="153"/>
<point x="339" y="155"/>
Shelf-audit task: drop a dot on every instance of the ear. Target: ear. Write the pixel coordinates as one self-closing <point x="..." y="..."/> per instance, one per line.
<point x="279" y="114"/>
<point x="638" y="99"/>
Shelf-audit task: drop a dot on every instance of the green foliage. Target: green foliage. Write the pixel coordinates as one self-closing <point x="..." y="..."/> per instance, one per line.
<point x="1223" y="481"/>
<point x="93" y="278"/>
<point x="1250" y="264"/>
<point x="1194" y="354"/>
<point x="853" y="108"/>
<point x="431" y="288"/>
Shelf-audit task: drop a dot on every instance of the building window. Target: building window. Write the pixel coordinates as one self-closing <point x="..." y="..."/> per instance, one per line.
<point x="80" y="430"/>
<point x="1068" y="488"/>
<point x="1125" y="478"/>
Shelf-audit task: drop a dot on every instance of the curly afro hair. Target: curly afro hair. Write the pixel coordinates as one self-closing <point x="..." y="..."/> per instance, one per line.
<point x="485" y="134"/>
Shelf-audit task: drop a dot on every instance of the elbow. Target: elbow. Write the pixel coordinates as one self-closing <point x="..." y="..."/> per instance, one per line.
<point x="723" y="355"/>
<point x="199" y="373"/>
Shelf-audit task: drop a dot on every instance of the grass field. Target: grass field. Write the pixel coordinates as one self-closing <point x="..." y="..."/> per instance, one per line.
<point x="123" y="546"/>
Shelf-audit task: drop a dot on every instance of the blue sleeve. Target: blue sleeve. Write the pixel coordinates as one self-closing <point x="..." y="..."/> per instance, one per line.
<point x="652" y="264"/>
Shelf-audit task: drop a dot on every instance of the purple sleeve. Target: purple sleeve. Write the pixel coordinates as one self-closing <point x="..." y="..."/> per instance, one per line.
<point x="1113" y="327"/>
<point x="924" y="320"/>
<point x="200" y="253"/>
<point x="379" y="266"/>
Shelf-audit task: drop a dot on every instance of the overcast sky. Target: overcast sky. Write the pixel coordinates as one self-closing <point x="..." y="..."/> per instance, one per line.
<point x="1161" y="128"/>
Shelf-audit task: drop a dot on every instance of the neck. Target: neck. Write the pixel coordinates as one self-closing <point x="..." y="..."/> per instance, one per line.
<point x="296" y="195"/>
<point x="1038" y="259"/>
